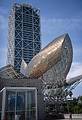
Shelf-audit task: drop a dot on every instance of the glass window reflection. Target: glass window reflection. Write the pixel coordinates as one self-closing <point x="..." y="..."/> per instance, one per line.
<point x="20" y="104"/>
<point x="10" y="99"/>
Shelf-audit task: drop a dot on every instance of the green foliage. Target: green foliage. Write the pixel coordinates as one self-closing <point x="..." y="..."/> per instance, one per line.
<point x="73" y="106"/>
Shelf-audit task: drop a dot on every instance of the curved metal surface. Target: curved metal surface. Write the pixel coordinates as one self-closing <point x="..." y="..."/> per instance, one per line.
<point x="56" y="55"/>
<point x="60" y="70"/>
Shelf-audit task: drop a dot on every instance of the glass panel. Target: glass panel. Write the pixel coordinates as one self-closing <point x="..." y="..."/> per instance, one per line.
<point x="31" y="111"/>
<point x="10" y="101"/>
<point x="20" y="105"/>
<point x="20" y="102"/>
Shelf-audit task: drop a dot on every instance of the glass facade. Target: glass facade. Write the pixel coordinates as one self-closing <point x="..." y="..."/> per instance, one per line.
<point x="24" y="34"/>
<point x="19" y="104"/>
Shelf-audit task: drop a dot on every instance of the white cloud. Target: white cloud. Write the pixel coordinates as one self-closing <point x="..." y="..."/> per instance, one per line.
<point x="78" y="90"/>
<point x="3" y="56"/>
<point x="76" y="69"/>
<point x="3" y="37"/>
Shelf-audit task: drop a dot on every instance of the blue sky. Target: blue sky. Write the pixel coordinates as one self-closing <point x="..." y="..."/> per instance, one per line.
<point x="57" y="17"/>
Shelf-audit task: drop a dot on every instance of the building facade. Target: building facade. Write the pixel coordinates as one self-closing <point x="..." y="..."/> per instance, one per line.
<point x="24" y="34"/>
<point x="21" y="85"/>
<point x="19" y="103"/>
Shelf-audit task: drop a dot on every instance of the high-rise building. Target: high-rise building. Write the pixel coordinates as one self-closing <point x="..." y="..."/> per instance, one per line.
<point x="24" y="34"/>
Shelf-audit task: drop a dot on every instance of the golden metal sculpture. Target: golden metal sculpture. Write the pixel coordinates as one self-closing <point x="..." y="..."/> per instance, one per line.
<point x="56" y="54"/>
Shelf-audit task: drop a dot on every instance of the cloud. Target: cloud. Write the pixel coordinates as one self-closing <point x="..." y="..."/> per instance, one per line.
<point x="76" y="69"/>
<point x="3" y="56"/>
<point x="3" y="41"/>
<point x="3" y="37"/>
<point x="78" y="90"/>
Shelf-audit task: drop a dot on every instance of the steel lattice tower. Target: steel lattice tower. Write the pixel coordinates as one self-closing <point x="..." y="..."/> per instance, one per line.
<point x="24" y="34"/>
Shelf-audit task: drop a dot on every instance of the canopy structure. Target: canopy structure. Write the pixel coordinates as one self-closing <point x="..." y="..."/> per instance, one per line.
<point x="9" y="72"/>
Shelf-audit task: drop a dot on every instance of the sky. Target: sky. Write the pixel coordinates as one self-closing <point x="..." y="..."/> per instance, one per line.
<point x="57" y="17"/>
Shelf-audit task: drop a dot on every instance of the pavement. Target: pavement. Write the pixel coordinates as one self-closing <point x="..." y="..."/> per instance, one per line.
<point x="71" y="119"/>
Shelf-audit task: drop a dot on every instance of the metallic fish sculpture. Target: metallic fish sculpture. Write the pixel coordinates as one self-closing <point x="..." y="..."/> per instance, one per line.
<point x="59" y="49"/>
